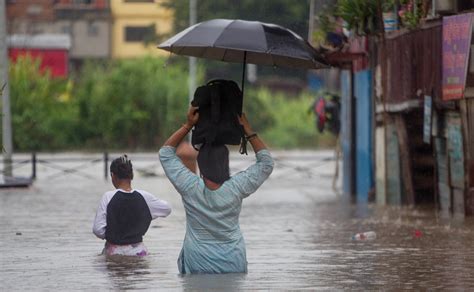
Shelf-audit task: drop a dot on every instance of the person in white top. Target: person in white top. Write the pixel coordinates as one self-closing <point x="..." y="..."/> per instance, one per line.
<point x="124" y="214"/>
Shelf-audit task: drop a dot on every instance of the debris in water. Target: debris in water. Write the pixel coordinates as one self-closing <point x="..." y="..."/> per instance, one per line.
<point x="369" y="235"/>
<point x="417" y="233"/>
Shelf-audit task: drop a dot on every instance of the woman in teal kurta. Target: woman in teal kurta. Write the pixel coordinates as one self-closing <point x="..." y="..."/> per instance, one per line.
<point x="213" y="242"/>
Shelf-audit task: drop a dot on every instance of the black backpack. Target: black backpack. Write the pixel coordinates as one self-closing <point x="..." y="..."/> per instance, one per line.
<point x="219" y="102"/>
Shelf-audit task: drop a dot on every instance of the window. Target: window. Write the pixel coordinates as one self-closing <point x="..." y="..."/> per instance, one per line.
<point x="92" y="29"/>
<point x="66" y="29"/>
<point x="34" y="9"/>
<point x="139" y="33"/>
<point x="83" y="2"/>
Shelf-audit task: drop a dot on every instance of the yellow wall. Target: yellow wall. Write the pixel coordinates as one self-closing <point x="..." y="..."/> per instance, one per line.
<point x="138" y="14"/>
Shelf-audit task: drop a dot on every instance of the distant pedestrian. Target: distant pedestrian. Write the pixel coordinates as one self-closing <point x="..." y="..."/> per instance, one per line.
<point x="213" y="242"/>
<point x="327" y="109"/>
<point x="124" y="214"/>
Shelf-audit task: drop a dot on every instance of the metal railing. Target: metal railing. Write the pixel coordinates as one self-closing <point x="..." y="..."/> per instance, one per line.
<point x="63" y="167"/>
<point x="64" y="164"/>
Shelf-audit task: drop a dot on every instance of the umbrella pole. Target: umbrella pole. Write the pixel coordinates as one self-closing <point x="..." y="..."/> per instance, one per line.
<point x="243" y="73"/>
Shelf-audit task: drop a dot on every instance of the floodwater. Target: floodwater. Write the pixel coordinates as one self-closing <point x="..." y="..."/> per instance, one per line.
<point x="297" y="230"/>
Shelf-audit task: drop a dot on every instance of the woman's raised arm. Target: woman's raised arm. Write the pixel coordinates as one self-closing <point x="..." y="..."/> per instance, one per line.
<point x="178" y="136"/>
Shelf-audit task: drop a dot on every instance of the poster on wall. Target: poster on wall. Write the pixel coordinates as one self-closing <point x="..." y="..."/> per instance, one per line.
<point x="455" y="150"/>
<point x="427" y="119"/>
<point x="457" y="32"/>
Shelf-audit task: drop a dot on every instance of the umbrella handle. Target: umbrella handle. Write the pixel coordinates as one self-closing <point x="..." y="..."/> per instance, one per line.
<point x="243" y="77"/>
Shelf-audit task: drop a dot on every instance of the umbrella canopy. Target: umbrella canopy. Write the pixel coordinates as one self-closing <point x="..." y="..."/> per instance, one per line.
<point x="241" y="41"/>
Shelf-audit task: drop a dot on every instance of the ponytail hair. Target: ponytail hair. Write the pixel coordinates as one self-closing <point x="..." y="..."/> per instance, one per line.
<point x="122" y="168"/>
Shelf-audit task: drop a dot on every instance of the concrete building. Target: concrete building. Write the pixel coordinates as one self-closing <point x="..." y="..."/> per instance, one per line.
<point x="136" y="25"/>
<point x="30" y="17"/>
<point x="87" y="22"/>
<point x="53" y="50"/>
<point x="98" y="29"/>
<point x="89" y="25"/>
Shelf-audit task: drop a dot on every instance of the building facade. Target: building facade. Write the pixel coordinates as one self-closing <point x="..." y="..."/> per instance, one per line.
<point x="86" y="23"/>
<point x="52" y="49"/>
<point x="411" y="110"/>
<point x="425" y="113"/>
<point x="136" y="26"/>
<point x="30" y="16"/>
<point x="89" y="25"/>
<point x="97" y="29"/>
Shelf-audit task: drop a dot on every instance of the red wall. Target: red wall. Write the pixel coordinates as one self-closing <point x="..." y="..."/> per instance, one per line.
<point x="56" y="60"/>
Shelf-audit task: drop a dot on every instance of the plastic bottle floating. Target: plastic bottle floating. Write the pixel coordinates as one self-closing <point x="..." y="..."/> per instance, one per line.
<point x="369" y="235"/>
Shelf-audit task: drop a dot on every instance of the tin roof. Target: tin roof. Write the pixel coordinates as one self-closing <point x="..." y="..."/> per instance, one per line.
<point x="40" y="41"/>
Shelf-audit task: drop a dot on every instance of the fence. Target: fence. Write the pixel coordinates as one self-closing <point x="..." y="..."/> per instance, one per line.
<point x="288" y="165"/>
<point x="65" y="164"/>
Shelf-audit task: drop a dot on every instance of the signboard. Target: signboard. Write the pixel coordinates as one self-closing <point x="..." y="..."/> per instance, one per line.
<point x="457" y="31"/>
<point x="455" y="150"/>
<point x="427" y="120"/>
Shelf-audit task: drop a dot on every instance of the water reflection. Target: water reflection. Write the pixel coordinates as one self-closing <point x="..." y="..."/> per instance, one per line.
<point x="127" y="272"/>
<point x="297" y="233"/>
<point x="223" y="282"/>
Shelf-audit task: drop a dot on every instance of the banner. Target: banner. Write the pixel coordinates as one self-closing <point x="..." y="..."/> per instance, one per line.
<point x="457" y="31"/>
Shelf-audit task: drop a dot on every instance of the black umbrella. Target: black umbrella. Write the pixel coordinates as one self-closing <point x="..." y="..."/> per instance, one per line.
<point x="241" y="41"/>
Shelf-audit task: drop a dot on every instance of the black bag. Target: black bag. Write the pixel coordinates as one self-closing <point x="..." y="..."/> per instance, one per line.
<point x="219" y="102"/>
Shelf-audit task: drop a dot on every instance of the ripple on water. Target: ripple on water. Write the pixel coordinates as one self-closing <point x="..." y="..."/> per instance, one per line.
<point x="297" y="234"/>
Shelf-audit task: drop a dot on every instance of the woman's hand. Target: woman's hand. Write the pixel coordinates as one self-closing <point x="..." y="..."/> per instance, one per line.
<point x="192" y="116"/>
<point x="178" y="136"/>
<point x="255" y="141"/>
<point x="245" y="123"/>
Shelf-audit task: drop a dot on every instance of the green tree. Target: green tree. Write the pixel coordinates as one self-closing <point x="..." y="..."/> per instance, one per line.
<point x="134" y="104"/>
<point x="43" y="116"/>
<point x="288" y="13"/>
<point x="131" y="103"/>
<point x="285" y="122"/>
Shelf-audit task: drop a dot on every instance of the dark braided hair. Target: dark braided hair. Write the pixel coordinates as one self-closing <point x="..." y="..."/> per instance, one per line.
<point x="122" y="168"/>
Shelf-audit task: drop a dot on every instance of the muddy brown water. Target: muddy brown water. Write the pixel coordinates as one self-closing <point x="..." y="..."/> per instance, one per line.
<point x="297" y="231"/>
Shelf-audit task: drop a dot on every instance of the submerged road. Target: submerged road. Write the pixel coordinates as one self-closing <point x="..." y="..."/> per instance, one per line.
<point x="297" y="231"/>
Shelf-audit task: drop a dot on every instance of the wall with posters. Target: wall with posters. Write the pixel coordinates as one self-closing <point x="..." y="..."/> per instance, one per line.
<point x="456" y="125"/>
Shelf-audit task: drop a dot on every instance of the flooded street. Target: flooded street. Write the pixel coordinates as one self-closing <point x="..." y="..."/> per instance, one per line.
<point x="297" y="231"/>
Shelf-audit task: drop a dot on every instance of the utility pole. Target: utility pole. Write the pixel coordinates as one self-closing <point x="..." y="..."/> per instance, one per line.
<point x="5" y="92"/>
<point x="311" y="21"/>
<point x="192" y="60"/>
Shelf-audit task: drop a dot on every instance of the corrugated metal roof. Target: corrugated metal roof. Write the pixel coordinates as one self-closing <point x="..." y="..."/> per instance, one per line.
<point x="413" y="65"/>
<point x="40" y="41"/>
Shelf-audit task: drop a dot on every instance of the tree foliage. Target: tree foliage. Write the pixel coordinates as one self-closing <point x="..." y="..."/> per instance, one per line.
<point x="42" y="114"/>
<point x="131" y="105"/>
<point x="284" y="122"/>
<point x="288" y="13"/>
